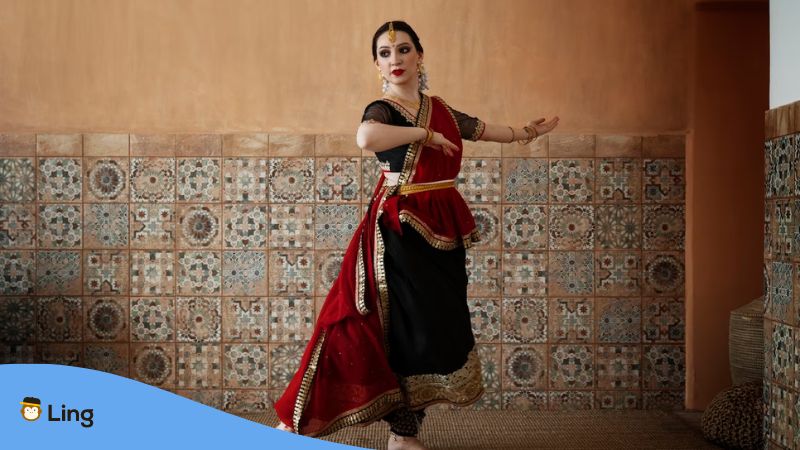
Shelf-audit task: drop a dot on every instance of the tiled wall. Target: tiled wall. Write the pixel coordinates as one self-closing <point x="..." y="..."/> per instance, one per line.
<point x="781" y="258"/>
<point x="196" y="262"/>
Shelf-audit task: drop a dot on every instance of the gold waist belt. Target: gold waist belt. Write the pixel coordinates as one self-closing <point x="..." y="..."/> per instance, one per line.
<point x="422" y="187"/>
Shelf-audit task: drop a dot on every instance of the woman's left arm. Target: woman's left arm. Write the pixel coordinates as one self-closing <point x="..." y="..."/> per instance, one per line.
<point x="506" y="134"/>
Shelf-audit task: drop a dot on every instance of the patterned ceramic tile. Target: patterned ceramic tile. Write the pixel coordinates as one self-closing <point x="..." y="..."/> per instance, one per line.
<point x="571" y="320"/>
<point x="245" y="365"/>
<point x="199" y="226"/>
<point x="198" y="366"/>
<point x="153" y="364"/>
<point x="524" y="320"/>
<point x="487" y="220"/>
<point x="489" y="355"/>
<point x="199" y="180"/>
<point x="781" y="416"/>
<point x="524" y="367"/>
<point x="618" y="366"/>
<point x="335" y="225"/>
<point x="153" y="180"/>
<point x="525" y="227"/>
<point x="17" y="320"/>
<point x="571" y="180"/>
<point x="105" y="225"/>
<point x="618" y="226"/>
<point x="60" y="226"/>
<point x="571" y="273"/>
<point x="327" y="270"/>
<point x="781" y="350"/>
<point x="17" y="269"/>
<point x="60" y="179"/>
<point x="525" y="180"/>
<point x="290" y="319"/>
<point x="663" y="320"/>
<point x="571" y="227"/>
<point x="483" y="269"/>
<point x="617" y="273"/>
<point x="370" y="173"/>
<point x="664" y="227"/>
<point x="768" y="228"/>
<point x="571" y="366"/>
<point x="794" y="232"/>
<point x="244" y="179"/>
<point x="338" y="179"/>
<point x="58" y="319"/>
<point x="782" y="163"/>
<point x="111" y="358"/>
<point x="246" y="226"/>
<point x="571" y="400"/>
<point x="618" y="400"/>
<point x="664" y="180"/>
<point x="17" y="353"/>
<point x="199" y="272"/>
<point x="782" y="229"/>
<point x="780" y="290"/>
<point x="664" y="367"/>
<point x="244" y="273"/>
<point x="291" y="180"/>
<point x="152" y="272"/>
<point x="485" y="317"/>
<point x="57" y="272"/>
<point x="60" y="353"/>
<point x="291" y="226"/>
<point x="17" y="180"/>
<point x="239" y="401"/>
<point x="284" y="360"/>
<point x="664" y="273"/>
<point x="619" y="180"/>
<point x="152" y="319"/>
<point x="17" y="226"/>
<point x="106" y="319"/>
<point x="524" y="274"/>
<point x="245" y="319"/>
<point x="619" y="320"/>
<point x="208" y="397"/>
<point x="106" y="272"/>
<point x="525" y="400"/>
<point x="291" y="273"/>
<point x="479" y="180"/>
<point x="489" y="401"/>
<point x="152" y="226"/>
<point x="106" y="179"/>
<point x="198" y="319"/>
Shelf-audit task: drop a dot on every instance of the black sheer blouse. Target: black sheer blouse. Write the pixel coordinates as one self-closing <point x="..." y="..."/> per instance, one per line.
<point x="471" y="128"/>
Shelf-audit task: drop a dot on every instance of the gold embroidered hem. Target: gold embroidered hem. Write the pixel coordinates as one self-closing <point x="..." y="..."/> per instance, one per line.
<point x="461" y="387"/>
<point x="305" y="385"/>
<point x="435" y="240"/>
<point x="372" y="412"/>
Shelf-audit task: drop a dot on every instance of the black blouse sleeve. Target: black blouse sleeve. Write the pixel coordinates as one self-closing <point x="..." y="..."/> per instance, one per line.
<point x="377" y="111"/>
<point x="471" y="127"/>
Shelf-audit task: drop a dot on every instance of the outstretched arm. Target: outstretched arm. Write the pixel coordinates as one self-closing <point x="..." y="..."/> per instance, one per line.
<point x="506" y="134"/>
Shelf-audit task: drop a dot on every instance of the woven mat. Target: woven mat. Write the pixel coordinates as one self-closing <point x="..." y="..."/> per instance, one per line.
<point x="465" y="429"/>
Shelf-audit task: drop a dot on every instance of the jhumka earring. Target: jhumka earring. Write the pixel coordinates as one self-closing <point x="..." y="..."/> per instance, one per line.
<point x="422" y="76"/>
<point x="384" y="81"/>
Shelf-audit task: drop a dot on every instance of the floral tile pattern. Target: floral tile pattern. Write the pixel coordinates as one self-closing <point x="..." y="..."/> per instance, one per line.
<point x="664" y="180"/>
<point x="524" y="367"/>
<point x="105" y="225"/>
<point x="245" y="319"/>
<point x="479" y="180"/>
<point x="152" y="226"/>
<point x="152" y="272"/>
<point x="152" y="319"/>
<point x="664" y="367"/>
<point x="664" y="273"/>
<point x="524" y="274"/>
<point x="329" y="262"/>
<point x="571" y="180"/>
<point x="291" y="180"/>
<point x="106" y="272"/>
<point x="571" y="400"/>
<point x="106" y="179"/>
<point x="244" y="179"/>
<point x="291" y="226"/>
<point x="245" y="365"/>
<point x="153" y="180"/>
<point x="525" y="320"/>
<point x="198" y="319"/>
<point x="246" y="400"/>
<point x="525" y="227"/>
<point x="335" y="225"/>
<point x="17" y="226"/>
<point x="58" y="319"/>
<point x="525" y="180"/>
<point x="571" y="273"/>
<point x="617" y="273"/>
<point x="17" y="180"/>
<point x="483" y="270"/>
<point x="18" y="273"/>
<point x="199" y="226"/>
<point x="487" y="221"/>
<point x="57" y="272"/>
<point x="619" y="180"/>
<point x="153" y="364"/>
<point x="485" y="318"/>
<point x="663" y="320"/>
<point x="664" y="227"/>
<point x="199" y="272"/>
<point x="489" y="355"/>
<point x="244" y="273"/>
<point x="290" y="319"/>
<point x="618" y="227"/>
<point x="618" y="400"/>
<point x="246" y="226"/>
<point x="619" y="320"/>
<point x="571" y="320"/>
<point x="571" y="366"/>
<point x="60" y="226"/>
<point x="198" y="366"/>
<point x="284" y="360"/>
<point x="106" y="319"/>
<point x="111" y="358"/>
<point x="60" y="179"/>
<point x="525" y="400"/>
<point x="618" y="366"/>
<point x="370" y="173"/>
<point x="199" y="180"/>
<point x="17" y="320"/>
<point x="571" y="227"/>
<point x="292" y="273"/>
<point x="338" y="179"/>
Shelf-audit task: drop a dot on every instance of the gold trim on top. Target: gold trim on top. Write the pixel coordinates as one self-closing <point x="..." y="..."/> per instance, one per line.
<point x="305" y="385"/>
<point x="415" y="188"/>
<point x="460" y="387"/>
<point x="437" y="240"/>
<point x="408" y="115"/>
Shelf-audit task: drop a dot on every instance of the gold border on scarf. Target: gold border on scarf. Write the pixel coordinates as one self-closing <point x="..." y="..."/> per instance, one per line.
<point x="460" y="387"/>
<point x="305" y="385"/>
<point x="361" y="278"/>
<point x="437" y="241"/>
<point x="364" y="415"/>
<point x="401" y="109"/>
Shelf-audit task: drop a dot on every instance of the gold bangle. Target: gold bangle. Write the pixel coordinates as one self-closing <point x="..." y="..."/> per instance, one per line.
<point x="532" y="135"/>
<point x="428" y="136"/>
<point x="513" y="135"/>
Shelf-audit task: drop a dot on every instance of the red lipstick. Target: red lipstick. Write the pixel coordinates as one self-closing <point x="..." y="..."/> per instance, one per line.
<point x="397" y="72"/>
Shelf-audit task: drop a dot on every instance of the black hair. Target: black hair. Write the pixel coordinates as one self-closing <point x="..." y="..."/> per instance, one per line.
<point x="398" y="25"/>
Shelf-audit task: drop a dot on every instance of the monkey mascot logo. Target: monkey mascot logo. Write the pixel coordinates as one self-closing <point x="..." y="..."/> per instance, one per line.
<point x="31" y="408"/>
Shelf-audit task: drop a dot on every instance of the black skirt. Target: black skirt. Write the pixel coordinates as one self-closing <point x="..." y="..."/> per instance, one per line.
<point x="429" y="321"/>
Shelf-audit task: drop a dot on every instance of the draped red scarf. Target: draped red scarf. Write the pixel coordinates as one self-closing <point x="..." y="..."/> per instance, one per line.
<point x="344" y="376"/>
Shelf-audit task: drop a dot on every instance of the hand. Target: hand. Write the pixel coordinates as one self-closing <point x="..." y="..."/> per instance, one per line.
<point x="439" y="142"/>
<point x="540" y="127"/>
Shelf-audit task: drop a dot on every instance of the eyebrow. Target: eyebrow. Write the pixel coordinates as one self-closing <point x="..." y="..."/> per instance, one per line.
<point x="398" y="45"/>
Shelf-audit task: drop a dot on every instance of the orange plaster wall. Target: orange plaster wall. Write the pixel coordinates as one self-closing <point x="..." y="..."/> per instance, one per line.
<point x="725" y="185"/>
<point x="305" y="66"/>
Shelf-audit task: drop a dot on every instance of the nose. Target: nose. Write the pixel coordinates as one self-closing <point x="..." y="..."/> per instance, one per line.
<point x="396" y="58"/>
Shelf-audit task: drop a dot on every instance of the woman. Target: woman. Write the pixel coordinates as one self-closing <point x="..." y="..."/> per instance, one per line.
<point x="394" y="333"/>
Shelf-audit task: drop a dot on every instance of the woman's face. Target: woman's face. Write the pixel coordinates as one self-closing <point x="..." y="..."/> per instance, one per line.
<point x="397" y="61"/>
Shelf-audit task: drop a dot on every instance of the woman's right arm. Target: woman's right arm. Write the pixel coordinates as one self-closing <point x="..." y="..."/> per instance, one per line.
<point x="377" y="137"/>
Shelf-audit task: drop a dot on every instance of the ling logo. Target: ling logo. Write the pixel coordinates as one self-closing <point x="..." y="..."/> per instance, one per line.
<point x="31" y="408"/>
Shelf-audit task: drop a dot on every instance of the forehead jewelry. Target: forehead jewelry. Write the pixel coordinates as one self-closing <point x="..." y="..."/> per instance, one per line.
<point x="392" y="35"/>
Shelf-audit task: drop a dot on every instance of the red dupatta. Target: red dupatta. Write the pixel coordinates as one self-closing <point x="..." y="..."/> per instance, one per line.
<point x="344" y="376"/>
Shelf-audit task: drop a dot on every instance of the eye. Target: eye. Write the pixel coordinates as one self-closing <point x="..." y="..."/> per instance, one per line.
<point x="405" y="49"/>
<point x="384" y="53"/>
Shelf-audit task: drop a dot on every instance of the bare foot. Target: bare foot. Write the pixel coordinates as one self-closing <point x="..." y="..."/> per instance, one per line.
<point x="283" y="427"/>
<point x="404" y="443"/>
